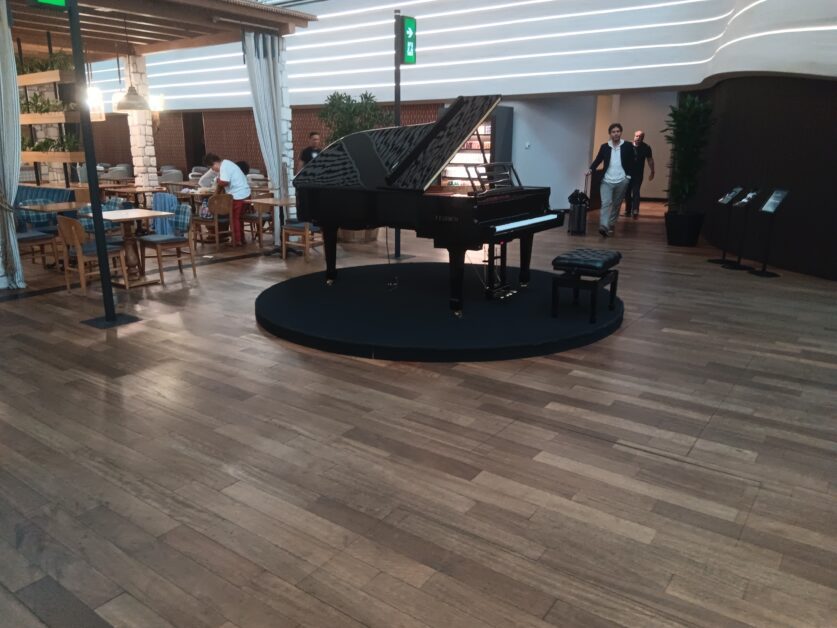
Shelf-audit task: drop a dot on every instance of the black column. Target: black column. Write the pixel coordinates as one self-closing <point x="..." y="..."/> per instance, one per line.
<point x="399" y="47"/>
<point x="90" y="161"/>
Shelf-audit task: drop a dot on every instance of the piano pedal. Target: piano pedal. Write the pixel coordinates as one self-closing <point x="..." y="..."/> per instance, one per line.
<point x="329" y="282"/>
<point x="499" y="293"/>
<point x="457" y="313"/>
<point x="524" y="285"/>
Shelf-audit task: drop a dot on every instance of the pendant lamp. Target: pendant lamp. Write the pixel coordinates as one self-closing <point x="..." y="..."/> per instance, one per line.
<point x="131" y="101"/>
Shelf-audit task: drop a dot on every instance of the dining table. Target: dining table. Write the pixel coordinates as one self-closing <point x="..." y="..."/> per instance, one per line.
<point x="137" y="192"/>
<point x="128" y="219"/>
<point x="270" y="202"/>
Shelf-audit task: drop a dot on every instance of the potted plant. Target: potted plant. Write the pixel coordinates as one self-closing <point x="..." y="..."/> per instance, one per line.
<point x="687" y="131"/>
<point x="344" y="115"/>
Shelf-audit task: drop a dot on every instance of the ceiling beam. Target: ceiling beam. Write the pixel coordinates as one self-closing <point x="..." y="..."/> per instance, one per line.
<point x="90" y="32"/>
<point x="224" y="37"/>
<point x="113" y="24"/>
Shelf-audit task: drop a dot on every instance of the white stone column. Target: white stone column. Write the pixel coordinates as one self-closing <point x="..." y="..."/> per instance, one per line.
<point x="141" y="128"/>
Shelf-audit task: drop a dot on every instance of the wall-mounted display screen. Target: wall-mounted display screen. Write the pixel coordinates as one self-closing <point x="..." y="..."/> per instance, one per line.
<point x="772" y="203"/>
<point x="727" y="198"/>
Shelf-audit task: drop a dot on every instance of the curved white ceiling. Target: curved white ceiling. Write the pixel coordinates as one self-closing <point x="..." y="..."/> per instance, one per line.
<point x="516" y="48"/>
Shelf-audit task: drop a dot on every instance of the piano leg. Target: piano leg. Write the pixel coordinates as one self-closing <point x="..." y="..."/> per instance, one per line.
<point x="457" y="276"/>
<point x="525" y="258"/>
<point x="330" y="247"/>
<point x="489" y="275"/>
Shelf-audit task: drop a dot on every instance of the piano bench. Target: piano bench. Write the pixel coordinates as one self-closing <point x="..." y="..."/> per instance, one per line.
<point x="586" y="269"/>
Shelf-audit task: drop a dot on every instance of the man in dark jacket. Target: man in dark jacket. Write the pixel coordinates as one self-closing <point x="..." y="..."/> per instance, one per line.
<point x="643" y="154"/>
<point x="618" y="157"/>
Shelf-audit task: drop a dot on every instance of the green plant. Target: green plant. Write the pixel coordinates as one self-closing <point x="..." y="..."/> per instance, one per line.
<point x="45" y="145"/>
<point x="53" y="61"/>
<point x="687" y="132"/>
<point x="26" y="143"/>
<point x="70" y="143"/>
<point x="36" y="103"/>
<point x="344" y="115"/>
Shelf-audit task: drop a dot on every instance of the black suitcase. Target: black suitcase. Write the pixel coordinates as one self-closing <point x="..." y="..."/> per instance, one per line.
<point x="579" y="204"/>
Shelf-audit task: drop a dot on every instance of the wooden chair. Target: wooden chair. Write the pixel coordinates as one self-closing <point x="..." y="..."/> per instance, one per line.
<point x="259" y="221"/>
<point x="38" y="241"/>
<point x="220" y="206"/>
<point x="309" y="236"/>
<point x="83" y="252"/>
<point x="183" y="238"/>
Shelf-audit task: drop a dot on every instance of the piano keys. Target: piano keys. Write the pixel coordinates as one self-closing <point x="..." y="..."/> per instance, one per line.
<point x="385" y="178"/>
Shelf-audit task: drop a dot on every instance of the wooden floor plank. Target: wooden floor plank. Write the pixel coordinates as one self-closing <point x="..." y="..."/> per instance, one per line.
<point x="192" y="470"/>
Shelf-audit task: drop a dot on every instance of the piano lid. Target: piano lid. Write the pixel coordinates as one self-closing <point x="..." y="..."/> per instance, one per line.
<point x="408" y="158"/>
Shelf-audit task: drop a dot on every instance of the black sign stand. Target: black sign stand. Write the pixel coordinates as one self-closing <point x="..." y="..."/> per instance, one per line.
<point x="744" y="204"/>
<point x="727" y="203"/>
<point x="763" y="272"/>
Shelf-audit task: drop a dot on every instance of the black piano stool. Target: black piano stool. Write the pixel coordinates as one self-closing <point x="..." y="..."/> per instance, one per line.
<point x="586" y="269"/>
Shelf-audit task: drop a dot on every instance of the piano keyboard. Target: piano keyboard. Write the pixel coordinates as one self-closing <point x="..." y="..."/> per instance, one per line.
<point x="524" y="223"/>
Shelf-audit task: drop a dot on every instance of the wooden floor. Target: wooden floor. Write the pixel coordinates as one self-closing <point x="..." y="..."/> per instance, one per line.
<point x="189" y="470"/>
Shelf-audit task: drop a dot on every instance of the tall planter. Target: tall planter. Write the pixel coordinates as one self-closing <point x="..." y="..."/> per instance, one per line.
<point x="687" y="131"/>
<point x="683" y="229"/>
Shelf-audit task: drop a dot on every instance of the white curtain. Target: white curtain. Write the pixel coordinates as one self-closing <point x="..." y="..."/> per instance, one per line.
<point x="11" y="271"/>
<point x="264" y="55"/>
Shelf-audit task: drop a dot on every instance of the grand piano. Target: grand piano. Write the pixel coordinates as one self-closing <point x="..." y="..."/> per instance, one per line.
<point x="385" y="178"/>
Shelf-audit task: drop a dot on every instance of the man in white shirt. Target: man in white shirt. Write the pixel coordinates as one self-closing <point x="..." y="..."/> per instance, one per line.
<point x="232" y="181"/>
<point x="618" y="157"/>
<point x="207" y="179"/>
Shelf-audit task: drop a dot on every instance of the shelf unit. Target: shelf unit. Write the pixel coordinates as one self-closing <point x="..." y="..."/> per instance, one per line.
<point x="61" y="118"/>
<point x="491" y="142"/>
<point x="475" y="150"/>
<point x="46" y="78"/>
<point x="53" y="117"/>
<point x="51" y="157"/>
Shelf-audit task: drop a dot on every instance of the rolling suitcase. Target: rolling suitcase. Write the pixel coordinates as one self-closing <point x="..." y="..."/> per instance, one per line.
<point x="579" y="204"/>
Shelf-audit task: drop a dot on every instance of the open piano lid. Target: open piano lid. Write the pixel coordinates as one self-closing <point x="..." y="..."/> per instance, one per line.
<point x="408" y="158"/>
<point x="420" y="167"/>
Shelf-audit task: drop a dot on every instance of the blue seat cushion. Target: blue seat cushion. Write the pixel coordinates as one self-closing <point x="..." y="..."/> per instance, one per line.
<point x="301" y="226"/>
<point x="26" y="236"/>
<point x="50" y="229"/>
<point x="591" y="260"/>
<point x="163" y="239"/>
<point x="89" y="249"/>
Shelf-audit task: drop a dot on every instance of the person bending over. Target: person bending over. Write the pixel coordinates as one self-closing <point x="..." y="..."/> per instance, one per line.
<point x="231" y="180"/>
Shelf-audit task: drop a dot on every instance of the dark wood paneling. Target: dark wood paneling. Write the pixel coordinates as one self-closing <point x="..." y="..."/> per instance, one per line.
<point x="168" y="141"/>
<point x="232" y="135"/>
<point x="776" y="132"/>
<point x="112" y="140"/>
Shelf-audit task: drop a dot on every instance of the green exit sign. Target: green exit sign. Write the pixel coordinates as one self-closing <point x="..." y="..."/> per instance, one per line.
<point x="48" y="4"/>
<point x="408" y="35"/>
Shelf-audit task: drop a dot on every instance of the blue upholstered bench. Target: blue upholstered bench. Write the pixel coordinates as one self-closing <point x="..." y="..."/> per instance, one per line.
<point x="586" y="269"/>
<point x="53" y="195"/>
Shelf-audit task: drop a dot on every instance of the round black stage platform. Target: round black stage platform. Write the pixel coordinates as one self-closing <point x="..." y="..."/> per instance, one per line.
<point x="400" y="312"/>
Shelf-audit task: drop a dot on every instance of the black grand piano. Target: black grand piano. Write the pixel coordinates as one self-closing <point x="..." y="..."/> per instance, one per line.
<point x="385" y="178"/>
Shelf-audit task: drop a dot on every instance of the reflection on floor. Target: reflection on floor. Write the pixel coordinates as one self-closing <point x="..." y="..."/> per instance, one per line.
<point x="190" y="470"/>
